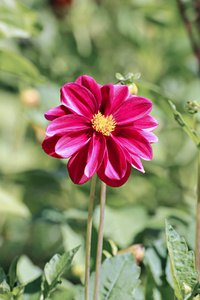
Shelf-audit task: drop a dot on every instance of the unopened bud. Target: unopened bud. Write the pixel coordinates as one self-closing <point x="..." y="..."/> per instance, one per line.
<point x="138" y="251"/>
<point x="193" y="107"/>
<point x="30" y="97"/>
<point x="133" y="89"/>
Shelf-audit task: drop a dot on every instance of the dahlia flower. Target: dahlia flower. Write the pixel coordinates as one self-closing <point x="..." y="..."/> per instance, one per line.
<point x="102" y="129"/>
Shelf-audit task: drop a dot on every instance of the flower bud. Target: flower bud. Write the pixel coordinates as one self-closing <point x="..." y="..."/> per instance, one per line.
<point x="138" y="251"/>
<point x="133" y="89"/>
<point x="192" y="107"/>
<point x="30" y="97"/>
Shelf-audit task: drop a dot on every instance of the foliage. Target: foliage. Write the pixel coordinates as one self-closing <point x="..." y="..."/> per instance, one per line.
<point x="43" y="46"/>
<point x="182" y="265"/>
<point x="41" y="287"/>
<point x="191" y="132"/>
<point x="119" y="279"/>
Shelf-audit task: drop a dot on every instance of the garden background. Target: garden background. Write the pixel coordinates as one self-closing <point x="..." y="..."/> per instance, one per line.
<point x="43" y="45"/>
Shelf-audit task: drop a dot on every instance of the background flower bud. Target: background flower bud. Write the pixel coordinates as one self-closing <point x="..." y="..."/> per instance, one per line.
<point x="192" y="107"/>
<point x="138" y="251"/>
<point x="30" y="97"/>
<point x="133" y="89"/>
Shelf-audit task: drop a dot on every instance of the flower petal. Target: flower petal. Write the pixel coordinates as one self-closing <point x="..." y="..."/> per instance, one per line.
<point x="114" y="160"/>
<point x="49" y="144"/>
<point x="95" y="154"/>
<point x="69" y="144"/>
<point x="67" y="124"/>
<point x="134" y="142"/>
<point x="107" y="92"/>
<point x="148" y="123"/>
<point x="79" y="100"/>
<point x="76" y="166"/>
<point x="134" y="161"/>
<point x="121" y="93"/>
<point x="113" y="182"/>
<point x="56" y="112"/>
<point x="150" y="136"/>
<point x="112" y="97"/>
<point x="132" y="109"/>
<point x="91" y="85"/>
<point x="137" y="164"/>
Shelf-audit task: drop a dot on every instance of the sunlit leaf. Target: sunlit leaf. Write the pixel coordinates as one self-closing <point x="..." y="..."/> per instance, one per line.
<point x="5" y="293"/>
<point x="70" y="240"/>
<point x="119" y="278"/>
<point x="17" y="20"/>
<point x="119" y="76"/>
<point x="183" y="273"/>
<point x="19" y="66"/>
<point x="54" y="269"/>
<point x="18" y="290"/>
<point x="9" y="204"/>
<point x="26" y="270"/>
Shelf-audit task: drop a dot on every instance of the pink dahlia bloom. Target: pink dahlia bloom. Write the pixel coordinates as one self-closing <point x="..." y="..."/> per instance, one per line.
<point x="102" y="129"/>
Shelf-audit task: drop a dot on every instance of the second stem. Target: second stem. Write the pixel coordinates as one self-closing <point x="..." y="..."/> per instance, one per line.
<point x="100" y="240"/>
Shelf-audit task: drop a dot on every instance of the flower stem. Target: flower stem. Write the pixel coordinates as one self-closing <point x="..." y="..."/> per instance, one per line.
<point x="197" y="247"/>
<point x="100" y="240"/>
<point x="195" y="122"/>
<point x="88" y="236"/>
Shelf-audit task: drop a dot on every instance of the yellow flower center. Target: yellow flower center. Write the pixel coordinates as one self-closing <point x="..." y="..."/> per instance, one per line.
<point x="103" y="124"/>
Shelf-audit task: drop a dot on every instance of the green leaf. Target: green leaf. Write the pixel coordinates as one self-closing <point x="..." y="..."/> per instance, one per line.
<point x="4" y="288"/>
<point x="191" y="132"/>
<point x="5" y="293"/>
<point x="168" y="273"/>
<point x="19" y="66"/>
<point x="18" y="290"/>
<point x="33" y="290"/>
<point x="154" y="263"/>
<point x="54" y="269"/>
<point x="70" y="240"/>
<point x="17" y="20"/>
<point x="119" y="76"/>
<point x="26" y="270"/>
<point x="184" y="275"/>
<point x="6" y="296"/>
<point x="129" y="221"/>
<point x="132" y="77"/>
<point x="12" y="273"/>
<point x="2" y="275"/>
<point x="10" y="205"/>
<point x="119" y="278"/>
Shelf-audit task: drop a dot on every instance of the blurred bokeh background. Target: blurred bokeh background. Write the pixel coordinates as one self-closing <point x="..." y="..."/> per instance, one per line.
<point x="43" y="45"/>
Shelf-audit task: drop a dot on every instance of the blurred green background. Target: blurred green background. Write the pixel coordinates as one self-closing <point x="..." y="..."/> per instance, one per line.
<point x="43" y="45"/>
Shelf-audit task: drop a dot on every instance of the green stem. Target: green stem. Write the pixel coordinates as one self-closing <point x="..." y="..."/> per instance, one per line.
<point x="197" y="247"/>
<point x="88" y="236"/>
<point x="100" y="241"/>
<point x="195" y="122"/>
